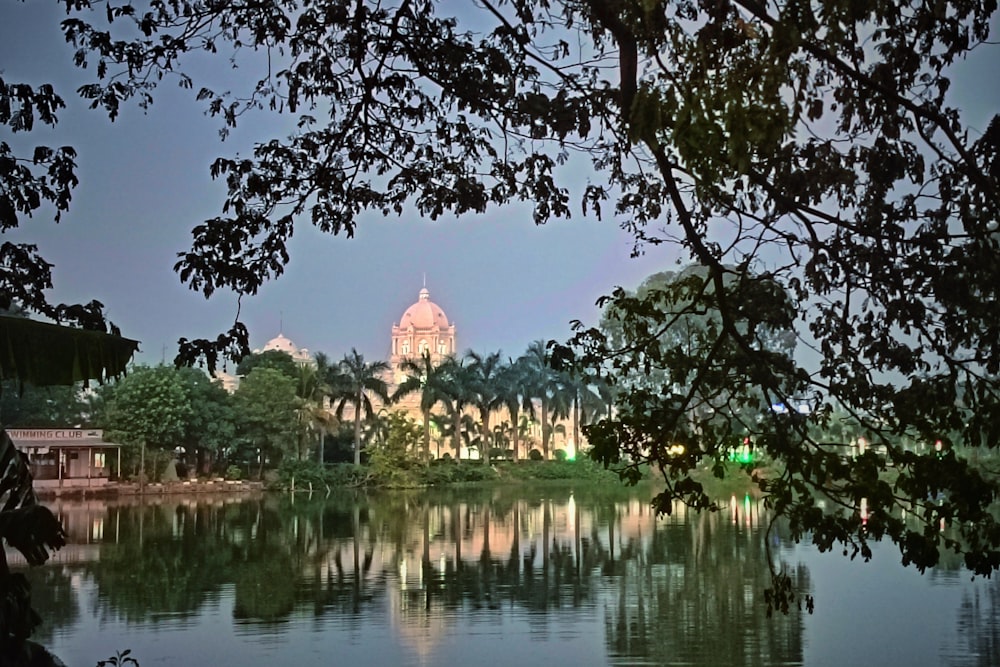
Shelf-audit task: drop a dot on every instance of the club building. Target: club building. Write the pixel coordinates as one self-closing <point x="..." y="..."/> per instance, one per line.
<point x="67" y="457"/>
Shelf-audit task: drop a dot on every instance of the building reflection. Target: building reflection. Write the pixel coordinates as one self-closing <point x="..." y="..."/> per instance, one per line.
<point x="430" y="562"/>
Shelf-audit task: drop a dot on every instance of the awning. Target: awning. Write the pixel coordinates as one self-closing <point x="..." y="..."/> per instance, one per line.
<point x="45" y="354"/>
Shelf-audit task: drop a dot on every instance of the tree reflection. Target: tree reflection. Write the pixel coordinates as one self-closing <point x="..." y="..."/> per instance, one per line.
<point x="979" y="626"/>
<point x="697" y="577"/>
<point x="437" y="559"/>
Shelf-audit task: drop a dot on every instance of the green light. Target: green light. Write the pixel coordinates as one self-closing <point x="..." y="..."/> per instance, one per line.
<point x="743" y="455"/>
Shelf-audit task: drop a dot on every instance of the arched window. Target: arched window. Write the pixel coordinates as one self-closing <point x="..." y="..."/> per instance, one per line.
<point x="422" y="347"/>
<point x="405" y="350"/>
<point x="442" y="347"/>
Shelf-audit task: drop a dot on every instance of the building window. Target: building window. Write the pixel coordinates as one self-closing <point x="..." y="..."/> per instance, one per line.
<point x="423" y="347"/>
<point x="405" y="349"/>
<point x="442" y="347"/>
<point x="99" y="460"/>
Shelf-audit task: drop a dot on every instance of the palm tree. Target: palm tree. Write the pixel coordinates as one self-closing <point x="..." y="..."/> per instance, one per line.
<point x="457" y="384"/>
<point x="561" y="398"/>
<point x="314" y="389"/>
<point x="426" y="377"/>
<point x="484" y="374"/>
<point x="355" y="384"/>
<point x="588" y="399"/>
<point x="514" y="395"/>
<point x="443" y="427"/>
<point x="542" y="383"/>
<point x="376" y="429"/>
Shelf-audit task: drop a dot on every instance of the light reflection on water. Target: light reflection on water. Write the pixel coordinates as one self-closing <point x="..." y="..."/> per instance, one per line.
<point x="498" y="577"/>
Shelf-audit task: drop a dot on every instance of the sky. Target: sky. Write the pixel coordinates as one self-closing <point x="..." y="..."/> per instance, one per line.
<point x="145" y="183"/>
<point x="500" y="279"/>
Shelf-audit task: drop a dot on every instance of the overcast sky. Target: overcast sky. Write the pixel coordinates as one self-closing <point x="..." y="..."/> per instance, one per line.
<point x="145" y="183"/>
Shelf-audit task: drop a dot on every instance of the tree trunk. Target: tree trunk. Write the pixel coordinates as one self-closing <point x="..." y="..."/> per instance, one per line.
<point x="142" y="467"/>
<point x="427" y="436"/>
<point x="545" y="430"/>
<point x="484" y="416"/>
<point x="576" y="423"/>
<point x="357" y="430"/>
<point x="513" y="417"/>
<point x="456" y="437"/>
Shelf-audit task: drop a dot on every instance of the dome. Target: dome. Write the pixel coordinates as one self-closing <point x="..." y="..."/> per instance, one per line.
<point x="281" y="344"/>
<point x="424" y="314"/>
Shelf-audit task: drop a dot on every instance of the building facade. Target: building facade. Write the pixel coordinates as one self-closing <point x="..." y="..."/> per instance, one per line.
<point x="67" y="457"/>
<point x="423" y="327"/>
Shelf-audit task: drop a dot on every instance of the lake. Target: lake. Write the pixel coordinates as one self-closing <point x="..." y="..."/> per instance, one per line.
<point x="510" y="576"/>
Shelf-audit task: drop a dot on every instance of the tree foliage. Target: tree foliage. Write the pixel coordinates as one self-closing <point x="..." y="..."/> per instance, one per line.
<point x="150" y="405"/>
<point x="430" y="380"/>
<point x="39" y="407"/>
<point x="810" y="146"/>
<point x="265" y="406"/>
<point x="276" y="359"/>
<point x="210" y="427"/>
<point x="356" y="383"/>
<point x="485" y="376"/>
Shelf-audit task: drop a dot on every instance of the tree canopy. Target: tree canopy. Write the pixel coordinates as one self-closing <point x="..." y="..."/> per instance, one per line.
<point x="265" y="409"/>
<point x="812" y="146"/>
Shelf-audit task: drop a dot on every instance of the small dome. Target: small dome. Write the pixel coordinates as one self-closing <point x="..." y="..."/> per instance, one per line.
<point x="424" y="314"/>
<point x="281" y="344"/>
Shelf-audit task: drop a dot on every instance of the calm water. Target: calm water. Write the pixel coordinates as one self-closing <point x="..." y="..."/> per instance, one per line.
<point x="501" y="577"/>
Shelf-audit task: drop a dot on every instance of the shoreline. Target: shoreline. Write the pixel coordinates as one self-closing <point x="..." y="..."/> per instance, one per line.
<point x="118" y="489"/>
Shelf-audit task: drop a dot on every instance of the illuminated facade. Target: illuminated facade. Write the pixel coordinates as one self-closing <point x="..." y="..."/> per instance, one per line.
<point x="423" y="328"/>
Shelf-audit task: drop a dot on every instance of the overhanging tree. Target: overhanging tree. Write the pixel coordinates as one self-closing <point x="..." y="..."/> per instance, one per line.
<point x="811" y="145"/>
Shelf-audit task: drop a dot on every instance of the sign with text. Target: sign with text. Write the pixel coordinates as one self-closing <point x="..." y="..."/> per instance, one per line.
<point x="49" y="434"/>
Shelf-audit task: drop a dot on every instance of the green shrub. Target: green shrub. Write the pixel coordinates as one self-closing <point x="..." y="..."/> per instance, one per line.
<point x="234" y="472"/>
<point x="303" y="473"/>
<point x="473" y="472"/>
<point x="535" y="455"/>
<point x="346" y="475"/>
<point x="437" y="475"/>
<point x="559" y="454"/>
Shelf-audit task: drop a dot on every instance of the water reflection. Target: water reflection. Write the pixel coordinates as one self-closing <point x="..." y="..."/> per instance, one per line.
<point x="509" y="575"/>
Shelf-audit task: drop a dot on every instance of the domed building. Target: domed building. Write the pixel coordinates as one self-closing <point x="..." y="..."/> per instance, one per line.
<point x="283" y="344"/>
<point x="423" y="327"/>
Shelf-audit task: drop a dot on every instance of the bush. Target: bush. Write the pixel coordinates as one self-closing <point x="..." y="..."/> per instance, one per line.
<point x="473" y="472"/>
<point x="535" y="455"/>
<point x="583" y="468"/>
<point x="346" y="475"/>
<point x="438" y="475"/>
<point x="559" y="454"/>
<point x="302" y="473"/>
<point x="233" y="472"/>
